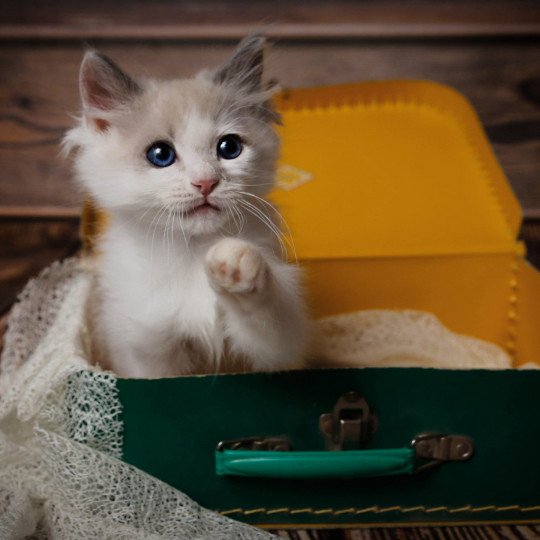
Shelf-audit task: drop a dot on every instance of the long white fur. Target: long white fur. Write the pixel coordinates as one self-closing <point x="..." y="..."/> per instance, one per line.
<point x="178" y="293"/>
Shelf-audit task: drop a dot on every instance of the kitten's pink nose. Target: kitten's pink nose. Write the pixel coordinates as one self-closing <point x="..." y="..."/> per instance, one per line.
<point x="205" y="185"/>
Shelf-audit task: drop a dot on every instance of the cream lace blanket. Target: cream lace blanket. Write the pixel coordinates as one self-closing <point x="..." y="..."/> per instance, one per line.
<point x="61" y="434"/>
<point x="383" y="338"/>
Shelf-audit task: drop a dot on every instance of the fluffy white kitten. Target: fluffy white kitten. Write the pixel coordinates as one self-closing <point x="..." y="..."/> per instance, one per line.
<point x="190" y="276"/>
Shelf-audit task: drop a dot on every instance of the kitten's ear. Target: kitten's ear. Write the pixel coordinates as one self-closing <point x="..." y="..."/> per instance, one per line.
<point x="104" y="86"/>
<point x="245" y="67"/>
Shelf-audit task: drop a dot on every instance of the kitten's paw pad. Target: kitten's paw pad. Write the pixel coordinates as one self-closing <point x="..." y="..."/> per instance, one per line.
<point x="235" y="266"/>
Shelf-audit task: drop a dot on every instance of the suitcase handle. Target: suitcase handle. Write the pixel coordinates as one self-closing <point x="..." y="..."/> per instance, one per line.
<point x="272" y="458"/>
<point x="315" y="464"/>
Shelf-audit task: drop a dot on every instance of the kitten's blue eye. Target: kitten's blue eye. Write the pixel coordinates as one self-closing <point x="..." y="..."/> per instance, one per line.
<point x="229" y="147"/>
<point x="161" y="154"/>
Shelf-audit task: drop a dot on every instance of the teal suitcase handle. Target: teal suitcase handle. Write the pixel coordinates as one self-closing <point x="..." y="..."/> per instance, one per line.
<point x="315" y="464"/>
<point x="267" y="457"/>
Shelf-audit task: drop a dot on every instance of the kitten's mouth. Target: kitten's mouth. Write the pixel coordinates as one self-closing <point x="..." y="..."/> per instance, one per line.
<point x="203" y="209"/>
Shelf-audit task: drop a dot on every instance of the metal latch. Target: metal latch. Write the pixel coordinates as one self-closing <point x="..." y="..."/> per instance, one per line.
<point x="439" y="448"/>
<point x="350" y="425"/>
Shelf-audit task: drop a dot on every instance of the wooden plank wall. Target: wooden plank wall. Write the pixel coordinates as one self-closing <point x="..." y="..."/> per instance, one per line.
<point x="490" y="51"/>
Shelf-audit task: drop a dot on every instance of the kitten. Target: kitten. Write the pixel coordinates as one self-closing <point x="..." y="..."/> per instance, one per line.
<point x="189" y="277"/>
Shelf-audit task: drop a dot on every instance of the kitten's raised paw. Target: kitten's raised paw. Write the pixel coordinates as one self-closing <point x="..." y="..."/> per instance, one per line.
<point x="235" y="266"/>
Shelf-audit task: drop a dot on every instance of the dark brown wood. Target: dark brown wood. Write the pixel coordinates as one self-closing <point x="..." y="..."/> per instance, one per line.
<point x="27" y="246"/>
<point x="300" y="19"/>
<point x="39" y="93"/>
<point x="492" y="532"/>
<point x="530" y="234"/>
<point x="290" y="31"/>
<point x="39" y="212"/>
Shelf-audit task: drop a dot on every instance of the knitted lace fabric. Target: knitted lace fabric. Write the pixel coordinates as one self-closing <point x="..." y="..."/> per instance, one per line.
<point x="384" y="338"/>
<point x="61" y="435"/>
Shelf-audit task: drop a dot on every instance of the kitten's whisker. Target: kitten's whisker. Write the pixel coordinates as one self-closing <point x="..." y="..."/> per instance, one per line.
<point x="154" y="223"/>
<point x="241" y="217"/>
<point x="165" y="236"/>
<point x="143" y="215"/>
<point x="234" y="184"/>
<point x="181" y="221"/>
<point x="265" y="202"/>
<point x="288" y="236"/>
<point x="170" y="239"/>
<point x="156" y="216"/>
<point x="227" y="223"/>
<point x="267" y="219"/>
<point x="235" y="213"/>
<point x="252" y="209"/>
<point x="229" y="211"/>
<point x="170" y="242"/>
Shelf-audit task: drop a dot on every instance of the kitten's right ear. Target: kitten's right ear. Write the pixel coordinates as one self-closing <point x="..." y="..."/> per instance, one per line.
<point x="104" y="87"/>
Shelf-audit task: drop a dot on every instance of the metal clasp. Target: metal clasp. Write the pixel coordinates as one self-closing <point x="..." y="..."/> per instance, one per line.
<point x="256" y="443"/>
<point x="350" y="424"/>
<point x="439" y="448"/>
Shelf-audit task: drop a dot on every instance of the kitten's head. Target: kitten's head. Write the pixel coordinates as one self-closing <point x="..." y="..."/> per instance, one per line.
<point x="188" y="152"/>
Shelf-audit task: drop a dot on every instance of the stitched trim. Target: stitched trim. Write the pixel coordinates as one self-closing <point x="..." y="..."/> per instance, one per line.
<point x="513" y="305"/>
<point x="380" y="510"/>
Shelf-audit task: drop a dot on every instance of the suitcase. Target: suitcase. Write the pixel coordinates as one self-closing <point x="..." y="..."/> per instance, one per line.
<point x="395" y="201"/>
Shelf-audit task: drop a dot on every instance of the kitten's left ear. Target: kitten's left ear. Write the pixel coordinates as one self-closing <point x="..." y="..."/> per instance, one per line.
<point x="245" y="68"/>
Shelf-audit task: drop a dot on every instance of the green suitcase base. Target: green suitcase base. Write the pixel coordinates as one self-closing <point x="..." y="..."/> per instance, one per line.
<point x="172" y="428"/>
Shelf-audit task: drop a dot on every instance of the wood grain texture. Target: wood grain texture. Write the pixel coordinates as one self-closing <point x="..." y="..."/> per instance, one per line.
<point x="471" y="532"/>
<point x="38" y="93"/>
<point x="27" y="246"/>
<point x="300" y="19"/>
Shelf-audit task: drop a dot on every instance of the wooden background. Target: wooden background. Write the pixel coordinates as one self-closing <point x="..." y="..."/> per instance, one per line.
<point x="489" y="50"/>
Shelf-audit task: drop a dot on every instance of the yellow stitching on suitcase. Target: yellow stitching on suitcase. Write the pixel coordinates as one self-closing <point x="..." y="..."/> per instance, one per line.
<point x="255" y="511"/>
<point x="507" y="508"/>
<point x="413" y="509"/>
<point x="437" y="509"/>
<point x="366" y="510"/>
<point x="325" y="511"/>
<point x="388" y="509"/>
<point x="513" y="305"/>
<point x="377" y="510"/>
<point x="233" y="511"/>
<point x="482" y="508"/>
<point x="467" y="508"/>
<point x="302" y="511"/>
<point x="278" y="511"/>
<point x="344" y="511"/>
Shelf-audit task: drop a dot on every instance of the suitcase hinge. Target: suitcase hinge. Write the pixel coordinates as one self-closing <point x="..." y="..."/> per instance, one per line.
<point x="439" y="448"/>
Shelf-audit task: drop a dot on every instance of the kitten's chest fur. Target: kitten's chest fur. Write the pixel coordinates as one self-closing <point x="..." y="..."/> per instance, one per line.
<point x="158" y="288"/>
<point x="156" y="297"/>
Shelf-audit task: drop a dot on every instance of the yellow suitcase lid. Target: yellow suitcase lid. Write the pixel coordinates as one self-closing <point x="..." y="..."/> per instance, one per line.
<point x="393" y="168"/>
